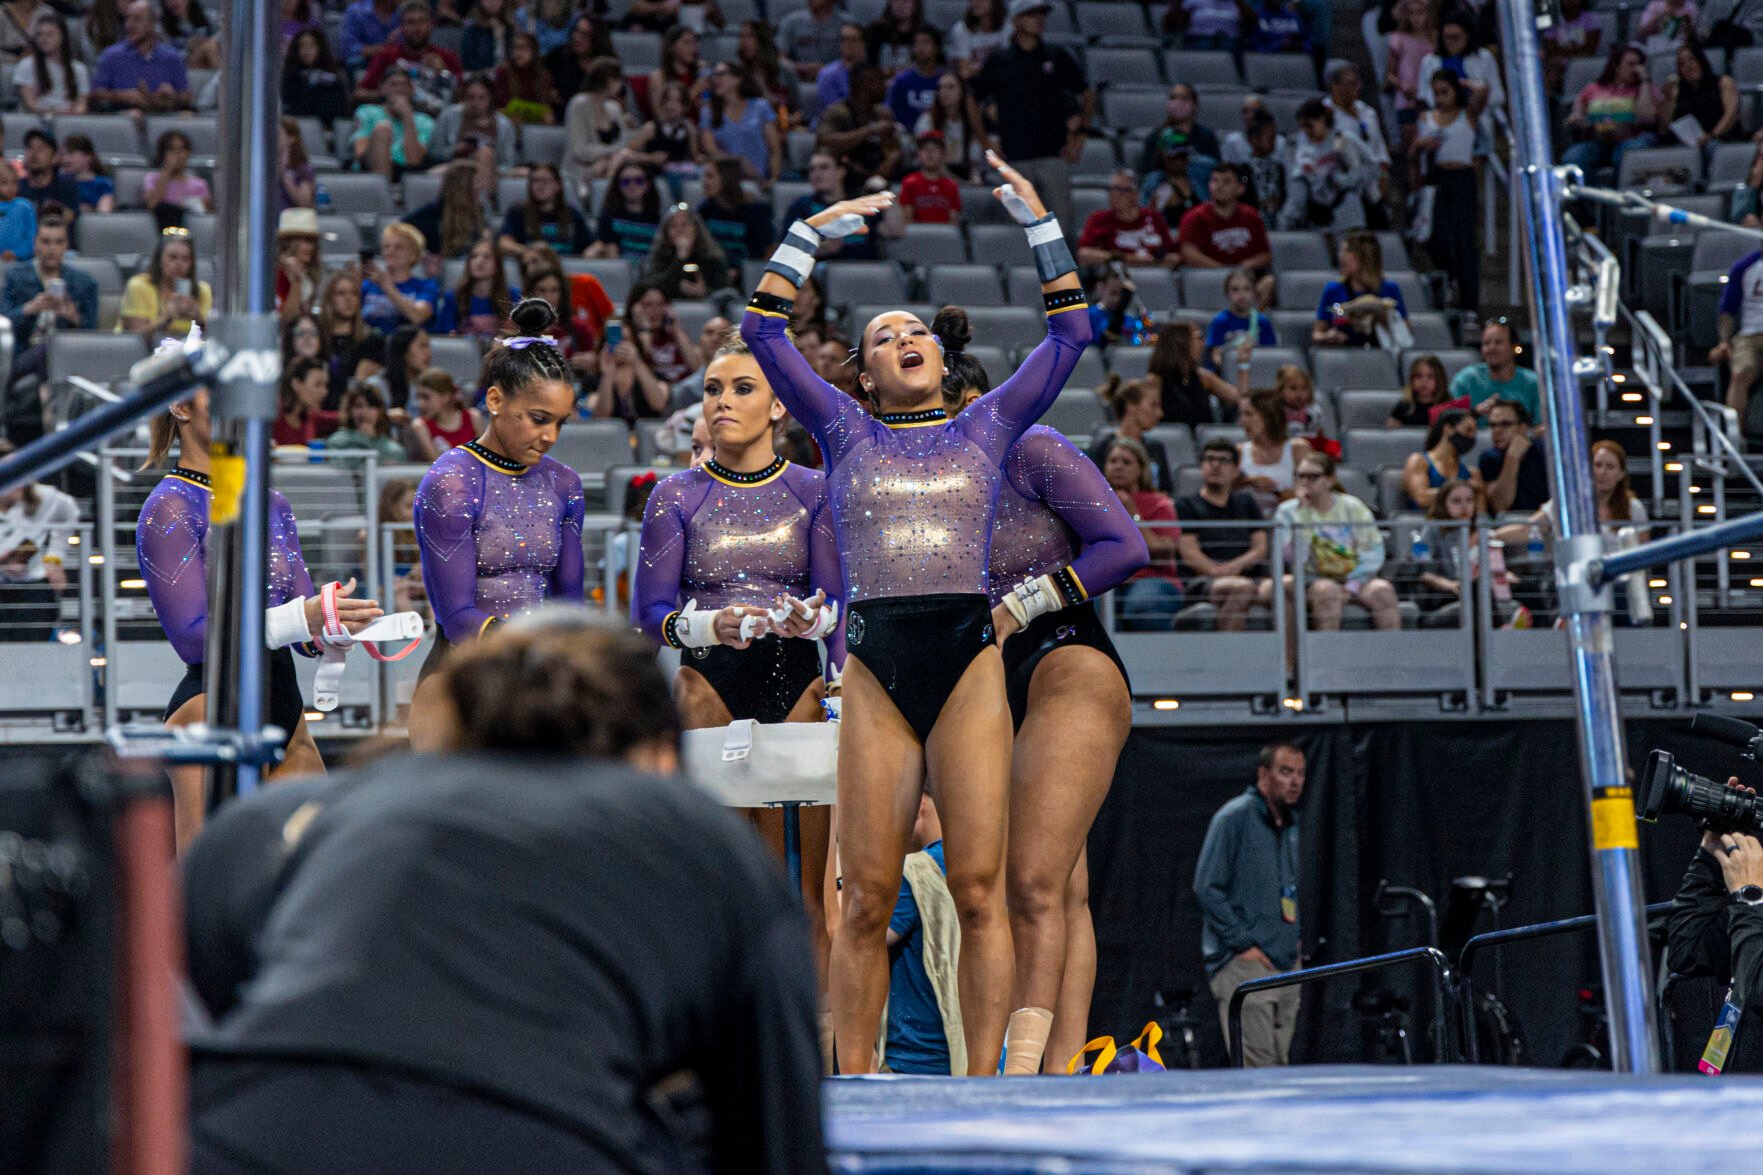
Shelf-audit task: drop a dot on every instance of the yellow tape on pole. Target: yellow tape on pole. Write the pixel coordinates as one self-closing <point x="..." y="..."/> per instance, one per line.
<point x="1613" y="825"/>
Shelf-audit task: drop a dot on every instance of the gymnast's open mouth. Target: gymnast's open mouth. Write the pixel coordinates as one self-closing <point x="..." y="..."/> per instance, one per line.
<point x="910" y="360"/>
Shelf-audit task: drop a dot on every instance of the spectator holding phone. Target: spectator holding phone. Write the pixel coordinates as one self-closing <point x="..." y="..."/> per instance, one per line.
<point x="646" y="353"/>
<point x="167" y="299"/>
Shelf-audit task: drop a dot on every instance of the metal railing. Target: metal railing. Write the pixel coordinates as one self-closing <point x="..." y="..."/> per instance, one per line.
<point x="1439" y="968"/>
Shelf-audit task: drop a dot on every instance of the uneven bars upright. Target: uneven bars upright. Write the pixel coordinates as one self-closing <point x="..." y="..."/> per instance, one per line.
<point x="244" y="400"/>
<point x="1622" y="938"/>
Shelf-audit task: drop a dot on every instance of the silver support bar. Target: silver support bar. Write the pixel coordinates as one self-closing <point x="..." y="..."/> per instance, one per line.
<point x="1622" y="938"/>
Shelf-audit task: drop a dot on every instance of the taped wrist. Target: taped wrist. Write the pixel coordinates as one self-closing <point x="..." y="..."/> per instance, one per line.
<point x="285" y="624"/>
<point x="1046" y="240"/>
<point x="793" y="260"/>
<point x="689" y="628"/>
<point x="1033" y="598"/>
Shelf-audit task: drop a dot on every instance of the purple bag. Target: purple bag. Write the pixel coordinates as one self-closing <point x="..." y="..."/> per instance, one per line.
<point x="1138" y="1057"/>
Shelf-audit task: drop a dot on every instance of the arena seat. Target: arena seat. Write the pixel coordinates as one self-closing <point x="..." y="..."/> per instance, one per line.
<point x="1379" y="448"/>
<point x="849" y="283"/>
<point x="1129" y="362"/>
<point x="1178" y="443"/>
<point x="1134" y="105"/>
<point x="359" y="195"/>
<point x="1075" y="412"/>
<point x="965" y="285"/>
<point x="114" y="136"/>
<point x="1292" y="73"/>
<point x="1299" y="250"/>
<point x="613" y="273"/>
<point x="1302" y="290"/>
<point x="318" y="490"/>
<point x="128" y="237"/>
<point x="1098" y="161"/>
<point x="316" y="138"/>
<point x="460" y="358"/>
<point x="1431" y="330"/>
<point x="928" y="245"/>
<point x="638" y="52"/>
<point x="1203" y="289"/>
<point x="1201" y="67"/>
<point x="594" y="446"/>
<point x="100" y="356"/>
<point x="1089" y="372"/>
<point x="1096" y="19"/>
<point x="1157" y="288"/>
<point x="202" y="130"/>
<point x="1008" y="326"/>
<point x="1265" y="362"/>
<point x="1229" y="432"/>
<point x="1364" y="409"/>
<point x="1455" y="359"/>
<point x="419" y="188"/>
<point x="1651" y="165"/>
<point x="542" y="144"/>
<point x="1336" y="368"/>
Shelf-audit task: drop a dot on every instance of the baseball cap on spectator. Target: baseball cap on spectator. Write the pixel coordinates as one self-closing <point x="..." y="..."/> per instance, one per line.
<point x="1024" y="7"/>
<point x="933" y="135"/>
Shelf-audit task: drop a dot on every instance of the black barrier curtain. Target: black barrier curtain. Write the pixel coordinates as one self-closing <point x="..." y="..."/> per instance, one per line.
<point x="1416" y="804"/>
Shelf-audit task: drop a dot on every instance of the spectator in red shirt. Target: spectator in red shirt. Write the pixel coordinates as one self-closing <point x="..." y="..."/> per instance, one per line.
<point x="1225" y="233"/>
<point x="929" y="195"/>
<point x="1126" y="230"/>
<point x="434" y="71"/>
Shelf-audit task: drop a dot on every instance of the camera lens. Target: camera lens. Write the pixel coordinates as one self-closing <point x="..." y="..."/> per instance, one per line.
<point x="1668" y="789"/>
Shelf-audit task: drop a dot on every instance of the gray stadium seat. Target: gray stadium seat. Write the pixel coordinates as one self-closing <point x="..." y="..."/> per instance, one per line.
<point x="1358" y="483"/>
<point x="1101" y="19"/>
<point x="1129" y="362"/>
<point x="1089" y="372"/>
<point x="1123" y="66"/>
<point x="1007" y="326"/>
<point x="996" y="361"/>
<point x="1380" y="448"/>
<point x="929" y="245"/>
<point x="202" y="130"/>
<point x="848" y="283"/>
<point x="542" y="144"/>
<point x="637" y="52"/>
<point x="338" y="236"/>
<point x="614" y="273"/>
<point x="1124" y="105"/>
<point x="1178" y="443"/>
<point x="100" y="356"/>
<point x="316" y="138"/>
<point x="204" y="232"/>
<point x="16" y="124"/>
<point x="114" y="136"/>
<point x="783" y="194"/>
<point x="460" y="358"/>
<point x="692" y="315"/>
<point x="1299" y="250"/>
<point x="1290" y="72"/>
<point x="359" y="194"/>
<point x="1157" y="288"/>
<point x="318" y="490"/>
<point x="1431" y="330"/>
<point x="128" y="237"/>
<point x="1203" y="289"/>
<point x="1455" y="359"/>
<point x="1230" y="432"/>
<point x="1097" y="163"/>
<point x="1076" y="412"/>
<point x="964" y="285"/>
<point x="1001" y="244"/>
<point x="1729" y="164"/>
<point x="1366" y="409"/>
<point x="1265" y="363"/>
<point x="1581" y="72"/>
<point x="1651" y="166"/>
<point x="420" y="187"/>
<point x="1084" y="202"/>
<point x="593" y="446"/>
<point x="1391" y="497"/>
<point x="103" y="270"/>
<point x="1201" y="67"/>
<point x="510" y="193"/>
<point x="1302" y="289"/>
<point x="1359" y="367"/>
<point x="1747" y="67"/>
<point x="128" y="182"/>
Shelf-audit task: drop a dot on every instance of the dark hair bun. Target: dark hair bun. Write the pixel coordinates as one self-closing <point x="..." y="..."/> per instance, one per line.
<point x="951" y="326"/>
<point x="533" y="316"/>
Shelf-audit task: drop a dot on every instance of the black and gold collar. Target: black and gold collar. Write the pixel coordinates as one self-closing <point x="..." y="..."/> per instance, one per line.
<point x="913" y="419"/>
<point x="729" y="476"/>
<point x="493" y="460"/>
<point x="191" y="476"/>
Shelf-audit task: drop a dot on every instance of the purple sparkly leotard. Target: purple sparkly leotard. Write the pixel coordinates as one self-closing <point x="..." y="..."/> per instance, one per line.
<point x="497" y="538"/>
<point x="914" y="506"/>
<point x="169" y="542"/>
<point x="721" y="542"/>
<point x="1057" y="510"/>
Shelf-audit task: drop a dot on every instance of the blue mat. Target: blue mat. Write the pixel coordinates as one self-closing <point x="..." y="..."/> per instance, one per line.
<point x="1324" y="1119"/>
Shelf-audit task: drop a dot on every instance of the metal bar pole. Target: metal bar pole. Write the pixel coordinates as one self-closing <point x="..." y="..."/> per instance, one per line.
<point x="105" y="530"/>
<point x="244" y="400"/>
<point x="793" y="843"/>
<point x="1442" y="983"/>
<point x="1674" y="547"/>
<point x="1622" y="938"/>
<point x="1299" y="616"/>
<point x="1281" y="613"/>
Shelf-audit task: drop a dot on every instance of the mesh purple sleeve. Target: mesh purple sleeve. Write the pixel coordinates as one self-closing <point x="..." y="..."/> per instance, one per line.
<point x="168" y="542"/>
<point x="1003" y="414"/>
<point x="661" y="558"/>
<point x="567" y="576"/>
<point x="285" y="533"/>
<point x="826" y="570"/>
<point x="446" y="516"/>
<point x="834" y="418"/>
<point x="1075" y="490"/>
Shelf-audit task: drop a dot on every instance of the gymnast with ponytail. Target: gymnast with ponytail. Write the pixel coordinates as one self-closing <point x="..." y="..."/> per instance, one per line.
<point x="171" y="546"/>
<point x="1060" y="540"/>
<point x="913" y="496"/>
<point x="499" y="522"/>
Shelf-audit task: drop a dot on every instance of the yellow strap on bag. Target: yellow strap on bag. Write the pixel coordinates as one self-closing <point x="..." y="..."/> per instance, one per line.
<point x="1146" y="1041"/>
<point x="1104" y="1058"/>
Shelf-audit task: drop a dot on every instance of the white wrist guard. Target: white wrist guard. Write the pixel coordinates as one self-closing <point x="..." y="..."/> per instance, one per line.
<point x="1032" y="598"/>
<point x="793" y="259"/>
<point x="693" y="629"/>
<point x="285" y="624"/>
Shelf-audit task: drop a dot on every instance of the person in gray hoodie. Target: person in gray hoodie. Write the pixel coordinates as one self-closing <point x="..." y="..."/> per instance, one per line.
<point x="1247" y="885"/>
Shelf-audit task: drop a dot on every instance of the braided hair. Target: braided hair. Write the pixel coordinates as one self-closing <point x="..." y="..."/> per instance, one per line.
<point x="515" y="364"/>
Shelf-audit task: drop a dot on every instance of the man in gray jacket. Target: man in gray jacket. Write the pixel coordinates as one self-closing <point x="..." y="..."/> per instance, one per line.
<point x="1247" y="884"/>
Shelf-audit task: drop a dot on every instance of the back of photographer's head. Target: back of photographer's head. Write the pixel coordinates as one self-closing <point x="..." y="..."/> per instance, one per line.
<point x="564" y="681"/>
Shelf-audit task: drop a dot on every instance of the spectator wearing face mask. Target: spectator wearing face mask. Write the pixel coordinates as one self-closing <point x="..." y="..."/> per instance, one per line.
<point x="1446" y="459"/>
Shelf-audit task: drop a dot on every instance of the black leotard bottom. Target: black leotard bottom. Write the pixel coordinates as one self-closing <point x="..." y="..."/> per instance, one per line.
<point x="286" y="705"/>
<point x="918" y="647"/>
<point x="763" y="681"/>
<point x="437" y="656"/>
<point x="1076" y="625"/>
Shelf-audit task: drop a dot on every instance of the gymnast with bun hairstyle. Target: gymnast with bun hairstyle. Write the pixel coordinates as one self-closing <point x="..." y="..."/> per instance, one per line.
<point x="499" y="522"/>
<point x="1057" y="520"/>
<point x="913" y="496"/>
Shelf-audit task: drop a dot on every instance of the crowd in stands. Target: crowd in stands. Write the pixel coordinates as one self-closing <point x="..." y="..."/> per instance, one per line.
<point x="1233" y="192"/>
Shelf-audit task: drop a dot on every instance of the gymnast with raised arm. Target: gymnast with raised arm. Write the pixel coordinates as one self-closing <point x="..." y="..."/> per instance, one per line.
<point x="724" y="545"/>
<point x="1061" y="528"/>
<point x="914" y="495"/>
<point x="499" y="522"/>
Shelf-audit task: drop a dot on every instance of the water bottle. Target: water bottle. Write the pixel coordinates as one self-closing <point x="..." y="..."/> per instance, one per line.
<point x="323" y="199"/>
<point x="1533" y="549"/>
<point x="1419" y="549"/>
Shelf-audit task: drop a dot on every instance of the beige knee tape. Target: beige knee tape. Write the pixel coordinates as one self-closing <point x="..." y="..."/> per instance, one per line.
<point x="1025" y="1039"/>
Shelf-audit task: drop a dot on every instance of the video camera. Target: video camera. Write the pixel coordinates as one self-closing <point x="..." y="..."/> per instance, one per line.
<point x="1667" y="788"/>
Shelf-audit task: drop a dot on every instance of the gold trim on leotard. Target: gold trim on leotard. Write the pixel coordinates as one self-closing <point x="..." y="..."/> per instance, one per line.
<point x="927" y="418"/>
<point x="200" y="480"/>
<point x="495" y="461"/>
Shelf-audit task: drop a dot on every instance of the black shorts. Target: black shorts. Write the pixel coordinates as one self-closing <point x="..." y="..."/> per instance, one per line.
<point x="1076" y="625"/>
<point x="286" y="706"/>
<point x="437" y="656"/>
<point x="919" y="646"/>
<point x="763" y="681"/>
